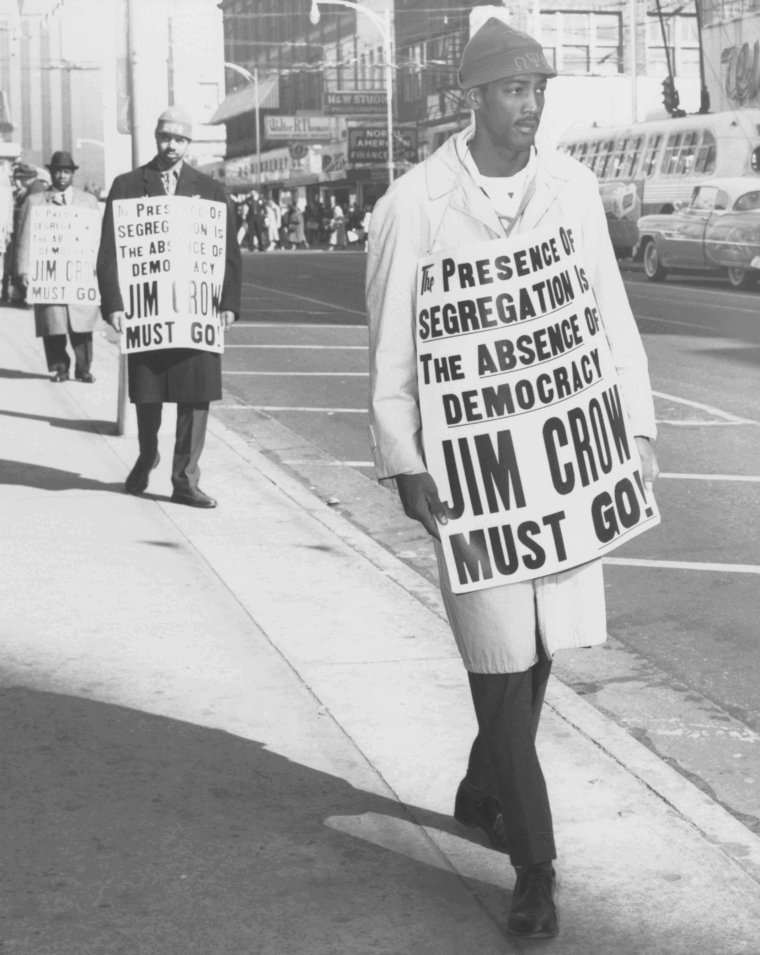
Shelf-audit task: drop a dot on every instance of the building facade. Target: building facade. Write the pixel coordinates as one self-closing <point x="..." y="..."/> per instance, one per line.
<point x="731" y="31"/>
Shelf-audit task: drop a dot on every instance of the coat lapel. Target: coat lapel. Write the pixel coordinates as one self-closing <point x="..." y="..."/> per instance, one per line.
<point x="152" y="180"/>
<point x="187" y="182"/>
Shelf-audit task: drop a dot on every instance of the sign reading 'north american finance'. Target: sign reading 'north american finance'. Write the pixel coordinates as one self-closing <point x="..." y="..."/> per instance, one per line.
<point x="523" y="419"/>
<point x="63" y="251"/>
<point x="171" y="253"/>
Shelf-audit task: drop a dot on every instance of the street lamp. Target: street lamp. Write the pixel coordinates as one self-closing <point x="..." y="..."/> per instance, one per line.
<point x="384" y="26"/>
<point x="254" y="79"/>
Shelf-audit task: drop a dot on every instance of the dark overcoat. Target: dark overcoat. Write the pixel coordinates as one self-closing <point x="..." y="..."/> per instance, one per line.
<point x="184" y="375"/>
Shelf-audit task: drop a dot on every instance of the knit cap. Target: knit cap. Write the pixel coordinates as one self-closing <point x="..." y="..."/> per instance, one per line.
<point x="176" y="121"/>
<point x="497" y="51"/>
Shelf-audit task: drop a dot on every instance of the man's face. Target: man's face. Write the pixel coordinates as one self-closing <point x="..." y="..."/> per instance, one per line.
<point x="171" y="148"/>
<point x="62" y="177"/>
<point x="511" y="109"/>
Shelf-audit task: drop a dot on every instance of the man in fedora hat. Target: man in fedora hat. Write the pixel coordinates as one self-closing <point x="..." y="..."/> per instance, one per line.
<point x="186" y="376"/>
<point x="54" y="322"/>
<point x="488" y="182"/>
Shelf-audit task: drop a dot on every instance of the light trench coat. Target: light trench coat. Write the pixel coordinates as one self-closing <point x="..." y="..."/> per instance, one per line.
<point x="54" y="319"/>
<point x="436" y="206"/>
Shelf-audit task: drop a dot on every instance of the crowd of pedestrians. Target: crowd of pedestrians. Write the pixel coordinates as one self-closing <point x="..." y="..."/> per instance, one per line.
<point x="264" y="225"/>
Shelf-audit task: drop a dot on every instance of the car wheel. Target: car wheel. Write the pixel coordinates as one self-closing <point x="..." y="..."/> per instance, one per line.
<point x="652" y="265"/>
<point x="742" y="278"/>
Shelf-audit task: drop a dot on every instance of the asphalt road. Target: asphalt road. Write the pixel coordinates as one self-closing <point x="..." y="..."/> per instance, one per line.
<point x="684" y="613"/>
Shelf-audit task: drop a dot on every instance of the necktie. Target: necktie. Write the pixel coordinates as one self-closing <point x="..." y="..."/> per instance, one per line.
<point x="169" y="180"/>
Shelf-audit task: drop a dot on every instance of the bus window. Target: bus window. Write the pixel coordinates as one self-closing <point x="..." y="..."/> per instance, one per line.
<point x="670" y="156"/>
<point x="650" y="157"/>
<point x="617" y="166"/>
<point x="705" y="163"/>
<point x="632" y="158"/>
<point x="581" y="153"/>
<point x="687" y="153"/>
<point x="605" y="155"/>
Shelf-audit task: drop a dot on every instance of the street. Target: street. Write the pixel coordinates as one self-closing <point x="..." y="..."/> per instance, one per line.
<point x="681" y="669"/>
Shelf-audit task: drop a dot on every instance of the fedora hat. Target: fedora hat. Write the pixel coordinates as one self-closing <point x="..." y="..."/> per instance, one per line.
<point x="62" y="160"/>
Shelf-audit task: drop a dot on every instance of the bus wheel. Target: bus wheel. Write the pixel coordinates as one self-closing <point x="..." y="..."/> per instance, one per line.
<point x="652" y="265"/>
<point x="741" y="278"/>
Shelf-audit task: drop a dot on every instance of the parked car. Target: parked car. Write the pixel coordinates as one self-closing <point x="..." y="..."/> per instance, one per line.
<point x="718" y="229"/>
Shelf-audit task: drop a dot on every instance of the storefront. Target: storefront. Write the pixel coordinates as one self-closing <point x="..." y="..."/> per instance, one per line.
<point x="731" y="39"/>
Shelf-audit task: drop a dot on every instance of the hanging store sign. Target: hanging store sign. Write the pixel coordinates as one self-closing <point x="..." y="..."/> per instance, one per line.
<point x="354" y="103"/>
<point x="369" y="146"/>
<point x="300" y="128"/>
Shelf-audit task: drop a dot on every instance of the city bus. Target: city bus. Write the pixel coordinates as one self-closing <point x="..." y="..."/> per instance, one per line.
<point x="649" y="167"/>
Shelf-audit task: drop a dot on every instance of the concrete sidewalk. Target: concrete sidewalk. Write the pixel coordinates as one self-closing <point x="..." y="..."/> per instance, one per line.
<point x="240" y="731"/>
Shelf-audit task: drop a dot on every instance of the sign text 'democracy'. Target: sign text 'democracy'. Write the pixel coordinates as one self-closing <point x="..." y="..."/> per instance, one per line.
<point x="171" y="254"/>
<point x="523" y="418"/>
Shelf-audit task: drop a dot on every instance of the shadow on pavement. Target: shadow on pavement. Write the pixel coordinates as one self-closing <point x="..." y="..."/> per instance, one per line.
<point x="84" y="424"/>
<point x="130" y="832"/>
<point x="15" y="373"/>
<point x="51" y="479"/>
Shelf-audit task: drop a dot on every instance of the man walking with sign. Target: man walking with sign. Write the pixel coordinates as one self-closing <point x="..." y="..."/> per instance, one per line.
<point x="191" y="377"/>
<point x="54" y="321"/>
<point x="483" y="190"/>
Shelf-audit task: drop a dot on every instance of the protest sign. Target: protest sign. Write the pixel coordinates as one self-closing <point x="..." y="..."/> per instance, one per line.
<point x="63" y="249"/>
<point x="523" y="419"/>
<point x="171" y="254"/>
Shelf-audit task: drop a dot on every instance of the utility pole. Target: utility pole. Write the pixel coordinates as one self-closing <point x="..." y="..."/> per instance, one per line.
<point x="634" y="65"/>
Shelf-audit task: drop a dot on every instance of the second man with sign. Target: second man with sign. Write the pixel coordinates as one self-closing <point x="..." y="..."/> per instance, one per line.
<point x="188" y="377"/>
<point x="484" y="185"/>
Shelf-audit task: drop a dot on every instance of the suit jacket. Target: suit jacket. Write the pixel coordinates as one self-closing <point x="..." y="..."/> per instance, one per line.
<point x="173" y="374"/>
<point x="53" y="319"/>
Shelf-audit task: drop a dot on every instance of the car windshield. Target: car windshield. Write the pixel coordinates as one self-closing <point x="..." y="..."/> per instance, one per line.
<point x="749" y="202"/>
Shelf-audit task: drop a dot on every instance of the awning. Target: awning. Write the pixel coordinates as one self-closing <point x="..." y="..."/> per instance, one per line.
<point x="243" y="100"/>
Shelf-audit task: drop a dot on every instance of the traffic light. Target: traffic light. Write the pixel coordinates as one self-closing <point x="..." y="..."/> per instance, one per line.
<point x="670" y="96"/>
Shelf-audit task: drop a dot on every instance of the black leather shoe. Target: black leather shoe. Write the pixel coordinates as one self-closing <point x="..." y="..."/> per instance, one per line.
<point x="60" y="375"/>
<point x="477" y="810"/>
<point x="86" y="378"/>
<point x="138" y="477"/>
<point x="533" y="913"/>
<point x="193" y="497"/>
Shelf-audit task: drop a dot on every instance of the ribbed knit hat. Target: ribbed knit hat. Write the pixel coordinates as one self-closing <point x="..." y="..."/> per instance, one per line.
<point x="497" y="51"/>
<point x="176" y="121"/>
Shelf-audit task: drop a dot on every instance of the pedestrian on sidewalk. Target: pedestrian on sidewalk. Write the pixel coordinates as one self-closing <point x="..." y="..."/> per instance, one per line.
<point x="54" y="322"/>
<point x="485" y="183"/>
<point x="186" y="376"/>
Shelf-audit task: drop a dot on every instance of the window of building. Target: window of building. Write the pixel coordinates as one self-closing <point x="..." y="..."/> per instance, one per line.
<point x="650" y="156"/>
<point x="414" y="63"/>
<point x="705" y="163"/>
<point x="683" y="45"/>
<point x="583" y="42"/>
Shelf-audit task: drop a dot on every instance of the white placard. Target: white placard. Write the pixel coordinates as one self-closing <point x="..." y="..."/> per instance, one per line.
<point x="63" y="250"/>
<point x="171" y="253"/>
<point x="523" y="420"/>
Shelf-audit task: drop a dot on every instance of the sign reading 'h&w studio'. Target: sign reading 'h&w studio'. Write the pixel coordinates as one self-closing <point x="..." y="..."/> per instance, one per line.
<point x="171" y="255"/>
<point x="523" y="419"/>
<point x="352" y="102"/>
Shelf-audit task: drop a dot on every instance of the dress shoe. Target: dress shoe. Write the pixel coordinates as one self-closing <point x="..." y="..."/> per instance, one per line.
<point x="533" y="913"/>
<point x="193" y="497"/>
<point x="138" y="477"/>
<point x="86" y="378"/>
<point x="477" y="810"/>
<point x="60" y="375"/>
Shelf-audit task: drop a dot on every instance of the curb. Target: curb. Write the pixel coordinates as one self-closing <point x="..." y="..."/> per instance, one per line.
<point x="715" y="823"/>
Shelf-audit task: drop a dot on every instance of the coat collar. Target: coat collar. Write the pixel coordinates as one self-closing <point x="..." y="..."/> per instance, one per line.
<point x="447" y="174"/>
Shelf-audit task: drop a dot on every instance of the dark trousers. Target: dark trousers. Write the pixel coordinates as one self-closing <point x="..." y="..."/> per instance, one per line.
<point x="188" y="443"/>
<point x="58" y="358"/>
<point x="503" y="759"/>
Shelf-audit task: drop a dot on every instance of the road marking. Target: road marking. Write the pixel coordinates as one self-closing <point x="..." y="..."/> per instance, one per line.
<point x="305" y="374"/>
<point x="726" y="415"/>
<point x="305" y="298"/>
<point x="711" y="477"/>
<point x="239" y="325"/>
<point x="673" y="321"/>
<point x="702" y="424"/>
<point x="683" y="565"/>
<point x="334" y="464"/>
<point x="289" y="408"/>
<point x="307" y="347"/>
<point x="678" y="294"/>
